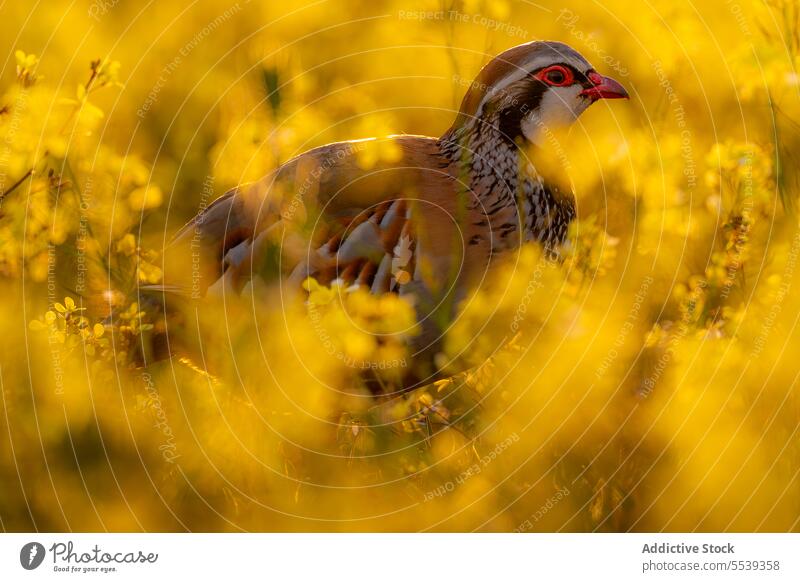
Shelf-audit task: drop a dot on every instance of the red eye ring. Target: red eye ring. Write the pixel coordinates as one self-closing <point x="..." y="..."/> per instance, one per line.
<point x="556" y="76"/>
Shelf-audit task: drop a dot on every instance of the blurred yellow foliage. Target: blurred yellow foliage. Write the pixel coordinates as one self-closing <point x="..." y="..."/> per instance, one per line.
<point x="647" y="382"/>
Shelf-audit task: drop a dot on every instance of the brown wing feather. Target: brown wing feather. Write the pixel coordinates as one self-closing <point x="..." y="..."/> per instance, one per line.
<point x="357" y="219"/>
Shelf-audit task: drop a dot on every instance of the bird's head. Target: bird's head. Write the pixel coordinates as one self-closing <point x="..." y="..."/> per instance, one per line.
<point x="533" y="87"/>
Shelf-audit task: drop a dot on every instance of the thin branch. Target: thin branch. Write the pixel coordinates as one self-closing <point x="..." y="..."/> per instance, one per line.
<point x="16" y="185"/>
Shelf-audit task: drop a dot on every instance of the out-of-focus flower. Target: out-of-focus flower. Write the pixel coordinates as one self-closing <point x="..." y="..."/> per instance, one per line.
<point x="639" y="378"/>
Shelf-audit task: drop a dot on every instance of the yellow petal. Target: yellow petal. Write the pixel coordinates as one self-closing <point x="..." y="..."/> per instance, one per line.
<point x="145" y="198"/>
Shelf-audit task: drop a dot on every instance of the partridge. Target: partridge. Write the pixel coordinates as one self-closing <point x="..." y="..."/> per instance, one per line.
<point x="426" y="222"/>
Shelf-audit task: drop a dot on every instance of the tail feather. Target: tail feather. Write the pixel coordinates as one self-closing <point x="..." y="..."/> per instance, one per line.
<point x="194" y="259"/>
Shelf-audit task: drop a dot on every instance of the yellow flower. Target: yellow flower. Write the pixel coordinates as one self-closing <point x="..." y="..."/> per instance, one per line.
<point x="319" y="294"/>
<point x="26" y="68"/>
<point x="148" y="273"/>
<point x="127" y="245"/>
<point x="145" y="198"/>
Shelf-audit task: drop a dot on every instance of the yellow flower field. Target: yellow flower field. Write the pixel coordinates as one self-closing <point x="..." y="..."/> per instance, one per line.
<point x="646" y="382"/>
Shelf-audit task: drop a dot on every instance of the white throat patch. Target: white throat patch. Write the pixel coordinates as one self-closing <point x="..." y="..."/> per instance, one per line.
<point x="559" y="108"/>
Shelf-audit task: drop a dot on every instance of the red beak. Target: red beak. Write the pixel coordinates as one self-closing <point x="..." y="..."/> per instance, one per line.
<point x="604" y="88"/>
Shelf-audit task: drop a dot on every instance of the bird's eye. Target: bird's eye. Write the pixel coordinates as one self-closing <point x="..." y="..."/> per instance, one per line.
<point x="556" y="75"/>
